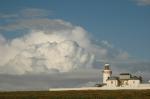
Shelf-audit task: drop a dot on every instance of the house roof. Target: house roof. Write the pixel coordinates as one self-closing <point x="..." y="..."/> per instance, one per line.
<point x="113" y="78"/>
<point x="134" y="78"/>
<point x="117" y="78"/>
<point x="125" y="74"/>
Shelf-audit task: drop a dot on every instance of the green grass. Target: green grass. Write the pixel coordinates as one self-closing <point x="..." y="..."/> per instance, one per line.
<point x="102" y="94"/>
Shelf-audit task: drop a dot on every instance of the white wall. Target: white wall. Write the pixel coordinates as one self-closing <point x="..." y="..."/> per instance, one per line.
<point x="144" y="85"/>
<point x="133" y="83"/>
<point x="106" y="74"/>
<point x="112" y="83"/>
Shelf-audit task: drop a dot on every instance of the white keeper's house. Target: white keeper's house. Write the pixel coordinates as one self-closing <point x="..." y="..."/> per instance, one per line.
<point x="123" y="80"/>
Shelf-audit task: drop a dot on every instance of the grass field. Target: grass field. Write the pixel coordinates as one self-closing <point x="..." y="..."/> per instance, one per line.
<point x="102" y="94"/>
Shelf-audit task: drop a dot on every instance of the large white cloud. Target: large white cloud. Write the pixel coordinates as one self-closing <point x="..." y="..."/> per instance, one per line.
<point x="51" y="46"/>
<point x="38" y="52"/>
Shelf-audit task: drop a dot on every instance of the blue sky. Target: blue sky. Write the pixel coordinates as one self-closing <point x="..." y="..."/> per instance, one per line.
<point x="123" y="23"/>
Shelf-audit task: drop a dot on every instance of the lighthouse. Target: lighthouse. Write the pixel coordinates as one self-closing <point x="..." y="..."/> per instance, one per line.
<point x="106" y="73"/>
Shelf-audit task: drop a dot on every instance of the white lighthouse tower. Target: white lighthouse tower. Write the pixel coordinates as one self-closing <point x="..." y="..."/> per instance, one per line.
<point x="106" y="73"/>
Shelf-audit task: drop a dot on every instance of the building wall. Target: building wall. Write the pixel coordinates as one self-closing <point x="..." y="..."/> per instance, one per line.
<point x="106" y="74"/>
<point x="124" y="76"/>
<point x="145" y="85"/>
<point x="112" y="83"/>
<point x="133" y="83"/>
<point x="129" y="83"/>
<point x="123" y="83"/>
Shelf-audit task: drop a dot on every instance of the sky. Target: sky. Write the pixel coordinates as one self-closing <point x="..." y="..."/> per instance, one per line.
<point x="71" y="38"/>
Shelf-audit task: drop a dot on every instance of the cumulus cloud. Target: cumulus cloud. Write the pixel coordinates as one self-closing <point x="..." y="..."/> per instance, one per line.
<point x="56" y="50"/>
<point x="142" y="2"/>
<point x="50" y="46"/>
<point x="53" y="45"/>
<point x="38" y="52"/>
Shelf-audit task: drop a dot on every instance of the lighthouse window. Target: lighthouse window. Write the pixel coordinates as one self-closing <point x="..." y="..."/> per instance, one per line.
<point x="111" y="82"/>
